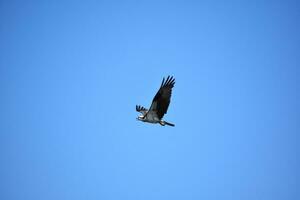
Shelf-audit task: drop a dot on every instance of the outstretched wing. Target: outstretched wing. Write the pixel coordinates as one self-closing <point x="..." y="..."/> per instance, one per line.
<point x="161" y="101"/>
<point x="141" y="109"/>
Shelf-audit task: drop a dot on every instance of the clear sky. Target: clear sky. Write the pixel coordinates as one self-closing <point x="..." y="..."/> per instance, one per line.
<point x="72" y="72"/>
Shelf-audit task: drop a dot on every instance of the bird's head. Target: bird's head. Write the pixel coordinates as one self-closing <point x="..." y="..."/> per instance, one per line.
<point x="141" y="118"/>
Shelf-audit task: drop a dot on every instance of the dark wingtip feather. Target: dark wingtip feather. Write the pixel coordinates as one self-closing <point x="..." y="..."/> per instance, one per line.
<point x="173" y="81"/>
<point x="162" y="83"/>
<point x="168" y="78"/>
<point x="169" y="81"/>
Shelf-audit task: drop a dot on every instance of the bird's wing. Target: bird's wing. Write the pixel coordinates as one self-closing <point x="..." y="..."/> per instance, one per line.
<point x="161" y="101"/>
<point x="141" y="109"/>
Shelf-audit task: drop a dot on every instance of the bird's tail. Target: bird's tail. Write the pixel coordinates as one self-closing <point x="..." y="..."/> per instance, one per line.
<point x="170" y="124"/>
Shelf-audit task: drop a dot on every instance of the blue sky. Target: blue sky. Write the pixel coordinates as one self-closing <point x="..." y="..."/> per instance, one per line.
<point x="73" y="71"/>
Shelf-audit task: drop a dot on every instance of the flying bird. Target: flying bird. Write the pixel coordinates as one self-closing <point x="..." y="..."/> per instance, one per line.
<point x="160" y="104"/>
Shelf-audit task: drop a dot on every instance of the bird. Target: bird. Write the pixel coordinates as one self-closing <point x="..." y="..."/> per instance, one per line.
<point x="159" y="105"/>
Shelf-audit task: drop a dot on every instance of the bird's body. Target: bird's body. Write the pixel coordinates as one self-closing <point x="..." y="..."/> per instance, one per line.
<point x="159" y="104"/>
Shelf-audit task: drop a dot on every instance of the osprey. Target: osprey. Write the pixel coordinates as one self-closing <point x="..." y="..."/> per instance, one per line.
<point x="160" y="104"/>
